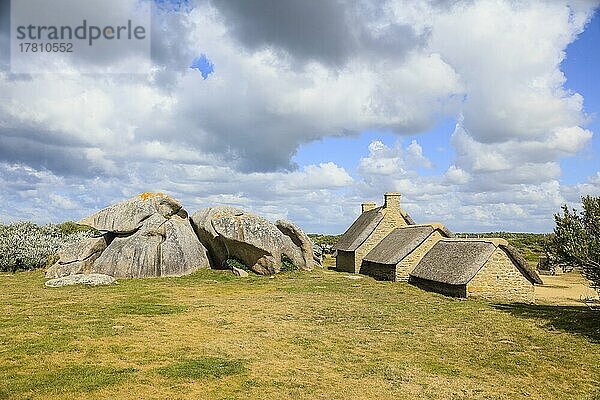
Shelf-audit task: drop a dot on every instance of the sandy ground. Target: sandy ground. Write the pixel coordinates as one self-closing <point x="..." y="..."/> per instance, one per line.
<point x="564" y="289"/>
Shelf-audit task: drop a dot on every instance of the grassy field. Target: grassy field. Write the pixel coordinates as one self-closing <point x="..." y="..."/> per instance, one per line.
<point x="296" y="336"/>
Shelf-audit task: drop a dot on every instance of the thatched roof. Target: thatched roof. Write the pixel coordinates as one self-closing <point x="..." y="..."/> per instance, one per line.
<point x="454" y="262"/>
<point x="443" y="229"/>
<point x="400" y="243"/>
<point x="522" y="264"/>
<point x="457" y="261"/>
<point x="360" y="230"/>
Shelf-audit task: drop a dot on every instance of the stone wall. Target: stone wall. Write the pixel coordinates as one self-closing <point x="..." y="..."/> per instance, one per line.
<point x="392" y="219"/>
<point x="381" y="272"/>
<point x="499" y="279"/>
<point x="439" y="287"/>
<point x="409" y="262"/>
<point x="344" y="261"/>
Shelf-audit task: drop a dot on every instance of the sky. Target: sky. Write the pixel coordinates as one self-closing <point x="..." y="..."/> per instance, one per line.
<point x="482" y="114"/>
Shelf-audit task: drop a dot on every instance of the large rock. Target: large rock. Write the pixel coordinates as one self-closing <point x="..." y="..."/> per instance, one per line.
<point x="181" y="252"/>
<point x="136" y="255"/>
<point x="79" y="257"/>
<point x="254" y="241"/>
<point x="300" y="240"/>
<point x="232" y="233"/>
<point x="127" y="216"/>
<point x="318" y="252"/>
<point x="202" y="221"/>
<point x="149" y="235"/>
<point x="161" y="247"/>
<point x="81" y="279"/>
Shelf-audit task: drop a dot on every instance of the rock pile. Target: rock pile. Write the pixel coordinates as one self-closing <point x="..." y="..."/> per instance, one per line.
<point x="229" y="232"/>
<point x="151" y="235"/>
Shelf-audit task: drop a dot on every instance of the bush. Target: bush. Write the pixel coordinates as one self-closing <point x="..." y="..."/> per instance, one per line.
<point x="576" y="239"/>
<point x="235" y="263"/>
<point x="70" y="228"/>
<point x="319" y="239"/>
<point x="26" y="246"/>
<point x="287" y="265"/>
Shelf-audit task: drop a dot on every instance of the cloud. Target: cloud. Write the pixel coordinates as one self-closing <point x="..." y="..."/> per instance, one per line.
<point x="457" y="176"/>
<point x="41" y="195"/>
<point x="286" y="76"/>
<point x="330" y="31"/>
<point x="395" y="161"/>
<point x="508" y="56"/>
<point x="62" y="202"/>
<point x="324" y="176"/>
<point x="4" y="35"/>
<point x="590" y="187"/>
<point x="255" y="110"/>
<point x="306" y="30"/>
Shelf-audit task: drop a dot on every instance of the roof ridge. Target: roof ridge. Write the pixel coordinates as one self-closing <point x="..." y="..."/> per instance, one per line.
<point x="495" y="241"/>
<point x="433" y="224"/>
<point x="357" y="233"/>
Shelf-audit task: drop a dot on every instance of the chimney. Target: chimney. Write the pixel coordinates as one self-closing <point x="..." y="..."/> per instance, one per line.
<point x="368" y="206"/>
<point x="392" y="200"/>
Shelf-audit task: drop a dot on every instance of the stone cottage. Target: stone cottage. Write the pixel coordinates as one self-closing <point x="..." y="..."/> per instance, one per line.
<point x="400" y="251"/>
<point x="371" y="227"/>
<point x="485" y="268"/>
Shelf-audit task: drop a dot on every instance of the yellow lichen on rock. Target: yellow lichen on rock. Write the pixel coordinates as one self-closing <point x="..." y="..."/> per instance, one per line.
<point x="147" y="195"/>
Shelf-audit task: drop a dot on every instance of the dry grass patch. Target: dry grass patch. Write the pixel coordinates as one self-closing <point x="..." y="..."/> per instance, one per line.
<point x="298" y="335"/>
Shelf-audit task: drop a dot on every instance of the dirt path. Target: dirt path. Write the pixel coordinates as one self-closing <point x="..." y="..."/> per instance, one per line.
<point x="563" y="289"/>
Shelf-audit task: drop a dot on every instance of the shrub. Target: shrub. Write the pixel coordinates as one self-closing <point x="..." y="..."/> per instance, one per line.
<point x="576" y="239"/>
<point x="70" y="228"/>
<point x="234" y="262"/>
<point x="287" y="265"/>
<point x="26" y="246"/>
<point x="319" y="239"/>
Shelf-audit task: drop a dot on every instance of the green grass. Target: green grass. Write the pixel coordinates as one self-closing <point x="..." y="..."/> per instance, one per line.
<point x="297" y="335"/>
<point x="72" y="378"/>
<point x="145" y="307"/>
<point x="208" y="367"/>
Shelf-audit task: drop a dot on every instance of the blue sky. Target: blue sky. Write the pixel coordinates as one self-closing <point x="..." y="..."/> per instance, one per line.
<point x="346" y="151"/>
<point x="581" y="67"/>
<point x="203" y="65"/>
<point x="462" y="108"/>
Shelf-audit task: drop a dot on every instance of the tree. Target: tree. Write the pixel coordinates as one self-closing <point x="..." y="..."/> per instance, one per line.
<point x="576" y="239"/>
